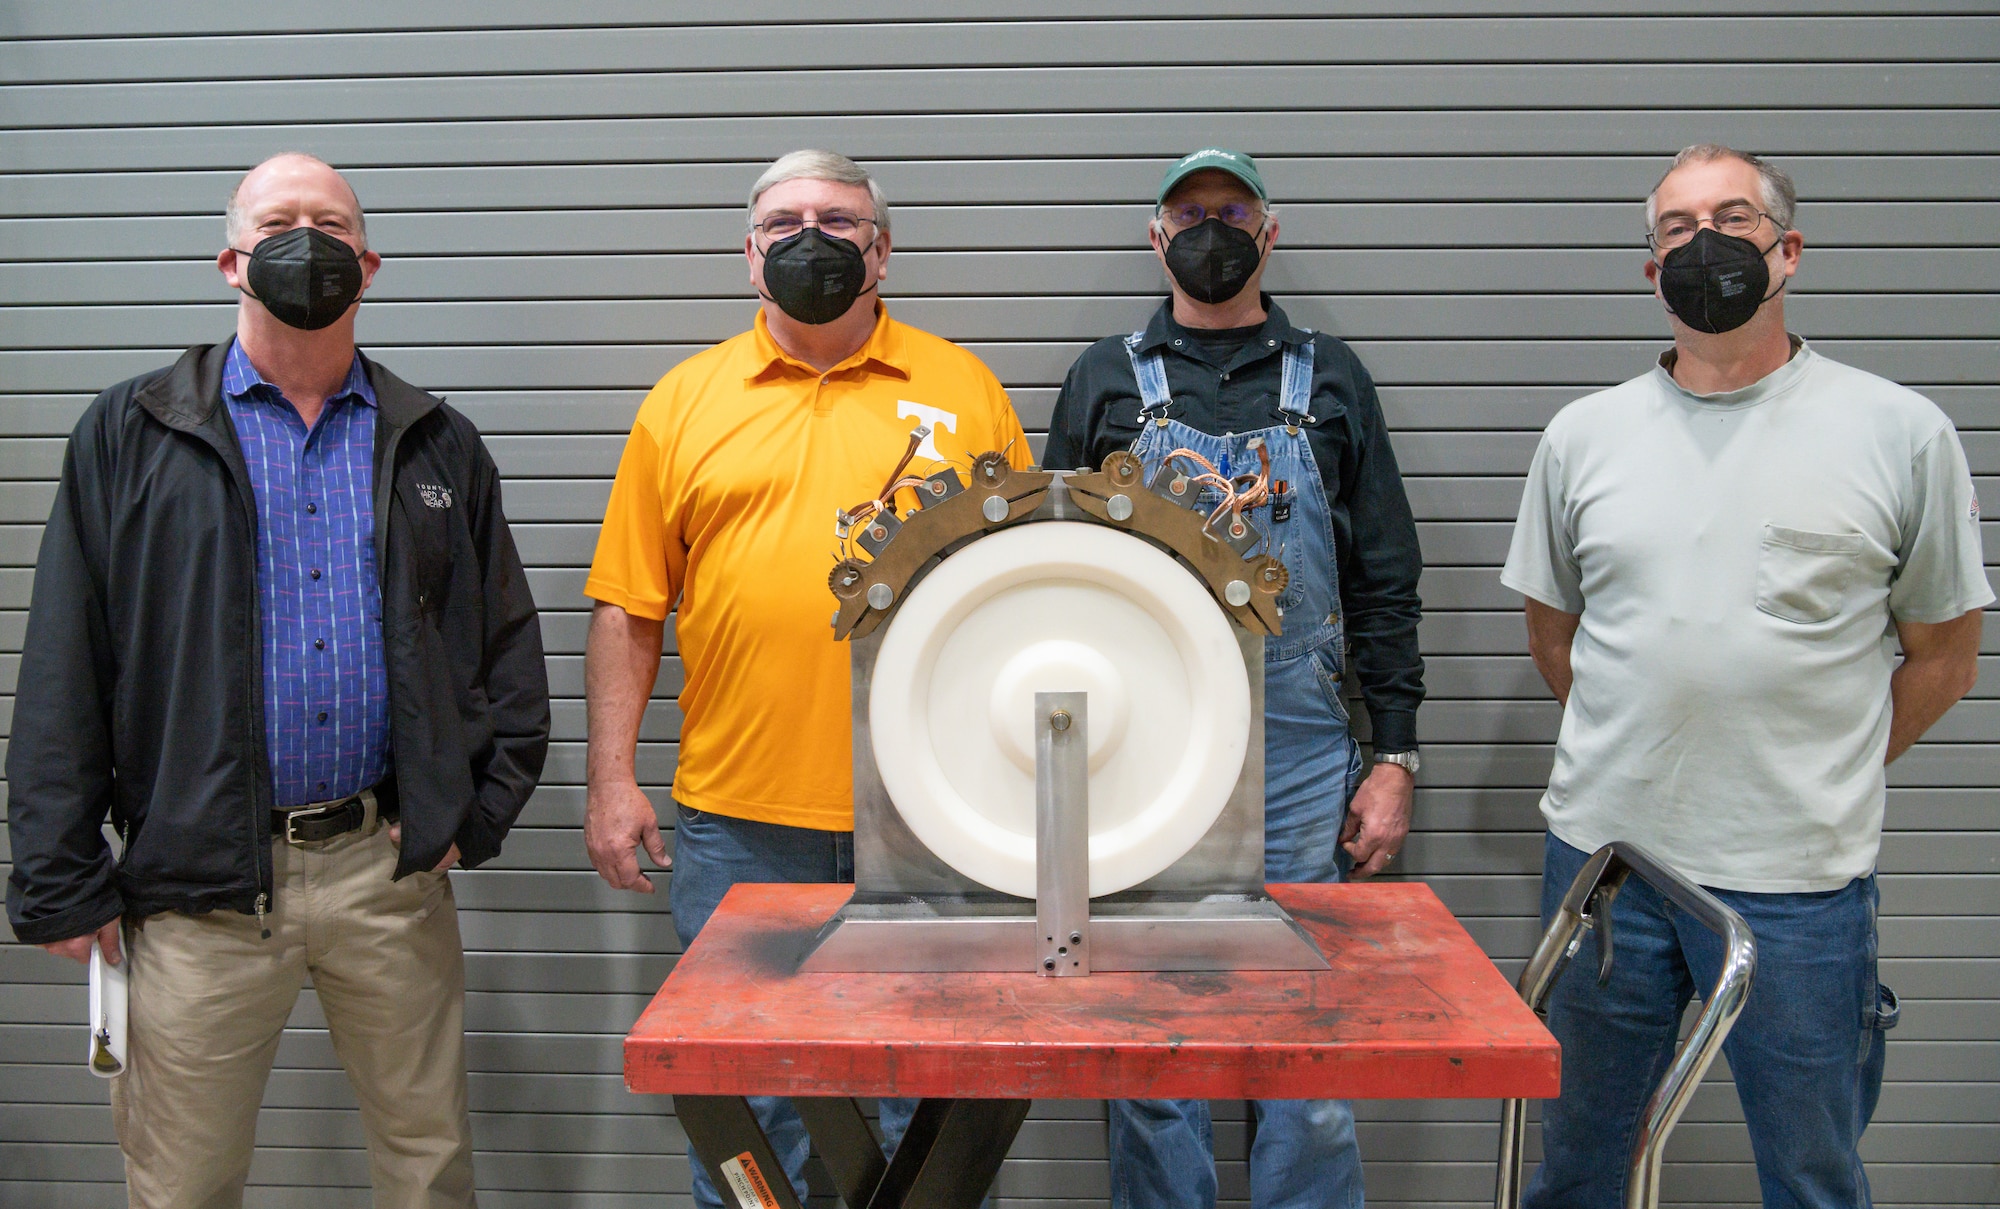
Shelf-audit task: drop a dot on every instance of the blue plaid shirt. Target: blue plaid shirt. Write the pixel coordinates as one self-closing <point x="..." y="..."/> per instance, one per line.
<point x="326" y="687"/>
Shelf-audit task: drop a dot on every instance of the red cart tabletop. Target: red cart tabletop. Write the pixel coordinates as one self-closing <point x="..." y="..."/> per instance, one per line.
<point x="1411" y="1009"/>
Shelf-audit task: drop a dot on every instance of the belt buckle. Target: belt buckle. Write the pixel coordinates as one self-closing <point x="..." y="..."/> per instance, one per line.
<point x="309" y="814"/>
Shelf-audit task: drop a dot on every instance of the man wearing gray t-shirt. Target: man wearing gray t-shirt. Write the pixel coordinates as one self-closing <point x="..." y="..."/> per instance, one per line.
<point x="1720" y="559"/>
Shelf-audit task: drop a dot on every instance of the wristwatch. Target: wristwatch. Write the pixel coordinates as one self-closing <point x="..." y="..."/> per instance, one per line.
<point x="1409" y="760"/>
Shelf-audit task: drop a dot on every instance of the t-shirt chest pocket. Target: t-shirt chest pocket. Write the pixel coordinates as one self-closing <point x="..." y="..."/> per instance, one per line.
<point x="1806" y="577"/>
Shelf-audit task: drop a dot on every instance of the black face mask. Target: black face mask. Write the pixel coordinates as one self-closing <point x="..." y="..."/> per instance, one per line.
<point x="306" y="278"/>
<point x="1716" y="282"/>
<point x="814" y="278"/>
<point x="1212" y="260"/>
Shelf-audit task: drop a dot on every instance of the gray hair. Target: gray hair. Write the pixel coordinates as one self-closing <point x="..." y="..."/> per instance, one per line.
<point x="1781" y="196"/>
<point x="820" y="166"/>
<point x="233" y="217"/>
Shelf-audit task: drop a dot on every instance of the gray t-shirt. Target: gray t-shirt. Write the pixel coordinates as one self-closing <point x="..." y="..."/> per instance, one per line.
<point x="1739" y="561"/>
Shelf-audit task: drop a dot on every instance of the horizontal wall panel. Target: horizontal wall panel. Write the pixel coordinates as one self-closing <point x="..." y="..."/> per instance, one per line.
<point x="1081" y="43"/>
<point x="1154" y="134"/>
<point x="1026" y="178"/>
<point x="132" y="18"/>
<point x="924" y="227"/>
<point x="1545" y="87"/>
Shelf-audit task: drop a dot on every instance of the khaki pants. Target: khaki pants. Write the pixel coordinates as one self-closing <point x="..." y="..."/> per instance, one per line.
<point x="209" y="1000"/>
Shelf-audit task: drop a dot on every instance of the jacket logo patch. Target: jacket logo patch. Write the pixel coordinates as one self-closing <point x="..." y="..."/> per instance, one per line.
<point x="434" y="496"/>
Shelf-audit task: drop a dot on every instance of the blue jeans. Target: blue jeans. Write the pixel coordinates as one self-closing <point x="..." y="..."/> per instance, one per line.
<point x="1806" y="1052"/>
<point x="713" y="852"/>
<point x="1303" y="1154"/>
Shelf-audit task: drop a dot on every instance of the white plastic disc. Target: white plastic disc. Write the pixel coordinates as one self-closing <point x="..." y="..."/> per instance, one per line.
<point x="1053" y="607"/>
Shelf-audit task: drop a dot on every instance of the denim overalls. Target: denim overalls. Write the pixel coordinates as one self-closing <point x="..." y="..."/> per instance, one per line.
<point x="1304" y="1155"/>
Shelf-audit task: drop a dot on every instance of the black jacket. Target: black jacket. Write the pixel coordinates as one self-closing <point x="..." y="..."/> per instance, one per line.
<point x="141" y="692"/>
<point x="1374" y="535"/>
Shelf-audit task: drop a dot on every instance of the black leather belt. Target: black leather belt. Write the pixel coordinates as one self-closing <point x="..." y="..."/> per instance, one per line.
<point x="325" y="820"/>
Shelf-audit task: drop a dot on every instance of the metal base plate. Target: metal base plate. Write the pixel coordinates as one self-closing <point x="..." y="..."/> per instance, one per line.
<point x="1127" y="932"/>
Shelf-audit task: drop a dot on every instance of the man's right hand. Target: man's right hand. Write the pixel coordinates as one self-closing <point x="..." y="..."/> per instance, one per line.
<point x="618" y="822"/>
<point x="77" y="948"/>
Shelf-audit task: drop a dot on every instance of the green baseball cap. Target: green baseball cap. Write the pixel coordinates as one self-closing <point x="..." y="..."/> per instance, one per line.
<point x="1235" y="163"/>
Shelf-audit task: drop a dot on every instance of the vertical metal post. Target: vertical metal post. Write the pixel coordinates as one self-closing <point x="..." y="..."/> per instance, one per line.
<point x="1062" y="835"/>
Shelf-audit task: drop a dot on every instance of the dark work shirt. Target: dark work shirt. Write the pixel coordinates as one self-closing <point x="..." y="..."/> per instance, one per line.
<point x="1375" y="538"/>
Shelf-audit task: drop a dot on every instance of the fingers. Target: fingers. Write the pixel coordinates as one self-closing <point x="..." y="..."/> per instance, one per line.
<point x="617" y="862"/>
<point x="450" y="859"/>
<point x="76" y="948"/>
<point x="1374" y="848"/>
<point x="396" y="833"/>
<point x="656" y="845"/>
<point x="108" y="940"/>
<point x="619" y="821"/>
<point x="1374" y="864"/>
<point x="1374" y="845"/>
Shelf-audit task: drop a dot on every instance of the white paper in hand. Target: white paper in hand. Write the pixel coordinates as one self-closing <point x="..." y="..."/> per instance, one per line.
<point x="107" y="1014"/>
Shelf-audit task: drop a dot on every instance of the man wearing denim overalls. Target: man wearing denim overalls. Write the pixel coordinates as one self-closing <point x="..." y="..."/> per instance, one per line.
<point x="1217" y="368"/>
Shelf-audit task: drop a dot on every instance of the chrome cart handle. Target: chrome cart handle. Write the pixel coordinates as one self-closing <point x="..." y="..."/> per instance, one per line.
<point x="1587" y="905"/>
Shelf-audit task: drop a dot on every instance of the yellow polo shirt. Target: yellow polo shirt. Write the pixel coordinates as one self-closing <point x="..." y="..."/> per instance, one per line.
<point x="725" y="501"/>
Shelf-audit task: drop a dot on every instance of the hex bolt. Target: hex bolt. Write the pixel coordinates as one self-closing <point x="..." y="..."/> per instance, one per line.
<point x="880" y="596"/>
<point x="1119" y="506"/>
<point x="1059" y="720"/>
<point x="994" y="508"/>
<point x="1236" y="592"/>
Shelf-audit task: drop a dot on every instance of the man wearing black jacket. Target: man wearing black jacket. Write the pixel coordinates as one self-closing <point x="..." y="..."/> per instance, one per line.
<point x="281" y="640"/>
<point x="1220" y="384"/>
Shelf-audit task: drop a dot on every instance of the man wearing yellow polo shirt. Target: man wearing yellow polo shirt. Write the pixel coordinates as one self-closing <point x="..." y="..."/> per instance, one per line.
<point x="724" y="504"/>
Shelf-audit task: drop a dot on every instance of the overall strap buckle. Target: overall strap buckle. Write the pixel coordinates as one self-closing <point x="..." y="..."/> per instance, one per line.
<point x="1150" y="370"/>
<point x="1295" y="378"/>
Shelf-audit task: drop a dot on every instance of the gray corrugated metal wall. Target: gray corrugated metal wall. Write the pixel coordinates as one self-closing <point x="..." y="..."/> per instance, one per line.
<point x="556" y="190"/>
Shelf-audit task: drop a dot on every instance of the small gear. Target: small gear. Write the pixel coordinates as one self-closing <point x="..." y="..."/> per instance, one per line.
<point x="1273" y="577"/>
<point x="845" y="579"/>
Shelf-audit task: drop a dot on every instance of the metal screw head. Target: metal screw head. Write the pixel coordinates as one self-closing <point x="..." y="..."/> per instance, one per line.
<point x="1236" y="592"/>
<point x="1076" y="938"/>
<point x="994" y="508"/>
<point x="1119" y="506"/>
<point x="1049" y="963"/>
<point x="937" y="488"/>
<point x="1059" y="720"/>
<point x="881" y="596"/>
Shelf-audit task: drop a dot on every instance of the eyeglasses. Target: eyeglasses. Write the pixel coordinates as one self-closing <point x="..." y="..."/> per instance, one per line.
<point x="1677" y="229"/>
<point x="837" y="224"/>
<point x="1241" y="215"/>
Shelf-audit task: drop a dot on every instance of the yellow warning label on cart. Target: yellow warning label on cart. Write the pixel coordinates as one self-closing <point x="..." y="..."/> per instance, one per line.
<point x="748" y="1183"/>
